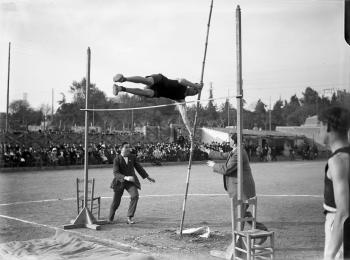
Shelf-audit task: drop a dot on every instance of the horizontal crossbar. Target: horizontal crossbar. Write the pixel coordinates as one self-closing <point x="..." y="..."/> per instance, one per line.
<point x="148" y="107"/>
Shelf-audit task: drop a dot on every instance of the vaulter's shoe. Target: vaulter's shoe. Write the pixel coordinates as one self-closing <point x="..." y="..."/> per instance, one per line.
<point x="119" y="78"/>
<point x="130" y="221"/>
<point x="116" y="89"/>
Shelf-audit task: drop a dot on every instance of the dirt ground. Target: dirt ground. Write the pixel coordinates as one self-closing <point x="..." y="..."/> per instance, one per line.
<point x="33" y="204"/>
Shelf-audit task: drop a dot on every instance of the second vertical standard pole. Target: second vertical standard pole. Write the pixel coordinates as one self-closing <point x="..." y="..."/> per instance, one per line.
<point x="230" y="250"/>
<point x="239" y="111"/>
<point x="86" y="157"/>
<point x="85" y="217"/>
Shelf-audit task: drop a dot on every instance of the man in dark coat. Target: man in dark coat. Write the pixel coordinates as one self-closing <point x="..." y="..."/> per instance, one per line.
<point x="229" y="172"/>
<point x="125" y="178"/>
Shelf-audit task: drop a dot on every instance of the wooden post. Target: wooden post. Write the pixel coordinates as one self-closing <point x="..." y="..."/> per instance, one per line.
<point x="239" y="111"/>
<point x="85" y="217"/>
<point x="230" y="250"/>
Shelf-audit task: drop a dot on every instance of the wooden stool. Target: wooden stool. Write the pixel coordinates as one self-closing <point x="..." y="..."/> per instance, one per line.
<point x="245" y="243"/>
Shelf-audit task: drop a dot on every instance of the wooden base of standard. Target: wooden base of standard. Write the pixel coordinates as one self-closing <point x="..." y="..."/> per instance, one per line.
<point x="85" y="220"/>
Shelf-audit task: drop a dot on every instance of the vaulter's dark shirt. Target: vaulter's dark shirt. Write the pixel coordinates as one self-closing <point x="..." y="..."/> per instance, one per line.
<point x="329" y="201"/>
<point x="168" y="88"/>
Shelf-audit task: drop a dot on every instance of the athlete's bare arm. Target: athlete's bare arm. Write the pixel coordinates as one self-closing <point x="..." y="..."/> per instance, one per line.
<point x="188" y="83"/>
<point x="339" y="173"/>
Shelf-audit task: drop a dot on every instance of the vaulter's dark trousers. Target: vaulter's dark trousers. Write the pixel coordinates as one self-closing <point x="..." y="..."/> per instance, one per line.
<point x="118" y="193"/>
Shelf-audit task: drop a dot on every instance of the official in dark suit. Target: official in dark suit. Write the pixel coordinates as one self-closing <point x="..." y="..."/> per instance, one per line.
<point x="125" y="178"/>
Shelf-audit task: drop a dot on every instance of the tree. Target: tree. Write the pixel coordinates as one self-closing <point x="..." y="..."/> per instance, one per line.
<point x="16" y="110"/>
<point x="63" y="100"/>
<point x="69" y="114"/>
<point x="277" y="114"/>
<point x="310" y="97"/>
<point x="334" y="100"/>
<point x="22" y="114"/>
<point x="293" y="104"/>
<point x="19" y="106"/>
<point x="299" y="116"/>
<point x="311" y="101"/>
<point x="248" y="119"/>
<point x="260" y="114"/>
<point x="290" y="108"/>
<point x="324" y="102"/>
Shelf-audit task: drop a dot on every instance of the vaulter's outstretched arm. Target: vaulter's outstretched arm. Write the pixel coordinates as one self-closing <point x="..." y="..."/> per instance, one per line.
<point x="188" y="83"/>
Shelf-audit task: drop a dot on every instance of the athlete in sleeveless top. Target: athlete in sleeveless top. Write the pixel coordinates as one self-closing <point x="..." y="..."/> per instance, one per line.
<point x="334" y="131"/>
<point x="157" y="85"/>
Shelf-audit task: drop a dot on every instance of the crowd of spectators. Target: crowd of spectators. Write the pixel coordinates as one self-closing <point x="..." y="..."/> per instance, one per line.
<point x="101" y="153"/>
<point x="14" y="155"/>
<point x="52" y="155"/>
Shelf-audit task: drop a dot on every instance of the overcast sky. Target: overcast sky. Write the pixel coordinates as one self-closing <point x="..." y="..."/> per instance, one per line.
<point x="287" y="45"/>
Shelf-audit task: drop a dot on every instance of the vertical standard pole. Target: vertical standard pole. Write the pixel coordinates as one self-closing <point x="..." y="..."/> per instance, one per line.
<point x="8" y="89"/>
<point x="239" y="110"/>
<point x="195" y="124"/>
<point x="86" y="175"/>
<point x="85" y="217"/>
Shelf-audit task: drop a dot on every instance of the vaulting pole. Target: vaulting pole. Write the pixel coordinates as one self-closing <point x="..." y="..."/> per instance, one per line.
<point x="195" y="124"/>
